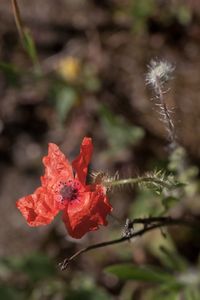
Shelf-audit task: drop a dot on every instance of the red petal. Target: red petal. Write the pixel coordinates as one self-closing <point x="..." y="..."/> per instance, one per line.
<point x="87" y="214"/>
<point x="81" y="162"/>
<point x="56" y="166"/>
<point x="38" y="208"/>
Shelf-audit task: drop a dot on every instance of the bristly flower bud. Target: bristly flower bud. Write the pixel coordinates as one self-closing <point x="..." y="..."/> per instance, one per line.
<point x="98" y="177"/>
<point x="160" y="72"/>
<point x="104" y="179"/>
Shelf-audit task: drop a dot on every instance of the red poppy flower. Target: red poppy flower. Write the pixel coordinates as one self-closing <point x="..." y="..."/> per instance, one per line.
<point x="85" y="207"/>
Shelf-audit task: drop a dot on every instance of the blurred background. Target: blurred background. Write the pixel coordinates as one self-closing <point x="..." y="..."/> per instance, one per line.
<point x="88" y="79"/>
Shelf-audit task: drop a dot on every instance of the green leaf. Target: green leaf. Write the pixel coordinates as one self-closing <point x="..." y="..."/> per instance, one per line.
<point x="166" y="292"/>
<point x="84" y="294"/>
<point x="84" y="288"/>
<point x="141" y="11"/>
<point x="29" y="46"/>
<point x="145" y="203"/>
<point x="10" y="293"/>
<point x="11" y="72"/>
<point x="192" y="293"/>
<point x="36" y="266"/>
<point x="169" y="202"/>
<point x="184" y="14"/>
<point x="165" y="251"/>
<point x="65" y="100"/>
<point x="147" y="274"/>
<point x="172" y="259"/>
<point x="120" y="134"/>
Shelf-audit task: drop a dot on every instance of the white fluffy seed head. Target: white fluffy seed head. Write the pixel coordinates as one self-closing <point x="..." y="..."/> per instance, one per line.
<point x="160" y="72"/>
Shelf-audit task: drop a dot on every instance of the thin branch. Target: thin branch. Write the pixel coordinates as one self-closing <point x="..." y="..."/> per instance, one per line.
<point x="165" y="220"/>
<point x="149" y="224"/>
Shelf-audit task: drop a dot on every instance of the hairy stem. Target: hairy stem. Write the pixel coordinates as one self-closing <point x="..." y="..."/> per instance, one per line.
<point x="137" y="181"/>
<point x="149" y="224"/>
<point x="167" y="117"/>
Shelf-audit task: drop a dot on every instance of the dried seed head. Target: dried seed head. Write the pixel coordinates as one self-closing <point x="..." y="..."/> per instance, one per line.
<point x="159" y="73"/>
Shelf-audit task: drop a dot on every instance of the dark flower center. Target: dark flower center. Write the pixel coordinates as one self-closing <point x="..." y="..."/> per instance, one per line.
<point x="69" y="192"/>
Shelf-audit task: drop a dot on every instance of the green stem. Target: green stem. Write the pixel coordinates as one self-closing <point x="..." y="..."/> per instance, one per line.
<point x="18" y="19"/>
<point x="137" y="181"/>
<point x="25" y="37"/>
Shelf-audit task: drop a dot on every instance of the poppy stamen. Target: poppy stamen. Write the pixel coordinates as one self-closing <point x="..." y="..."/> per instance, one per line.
<point x="69" y="192"/>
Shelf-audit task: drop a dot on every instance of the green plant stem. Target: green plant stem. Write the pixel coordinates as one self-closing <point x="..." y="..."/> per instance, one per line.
<point x="18" y="20"/>
<point x="137" y="181"/>
<point x="149" y="224"/>
<point x="25" y="37"/>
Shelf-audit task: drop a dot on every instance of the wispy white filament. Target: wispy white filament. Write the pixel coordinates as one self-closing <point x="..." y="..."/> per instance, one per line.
<point x="159" y="73"/>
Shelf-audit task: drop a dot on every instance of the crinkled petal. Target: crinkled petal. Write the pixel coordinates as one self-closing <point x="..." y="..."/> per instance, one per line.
<point x="86" y="214"/>
<point x="81" y="162"/>
<point x="38" y="208"/>
<point x="56" y="165"/>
